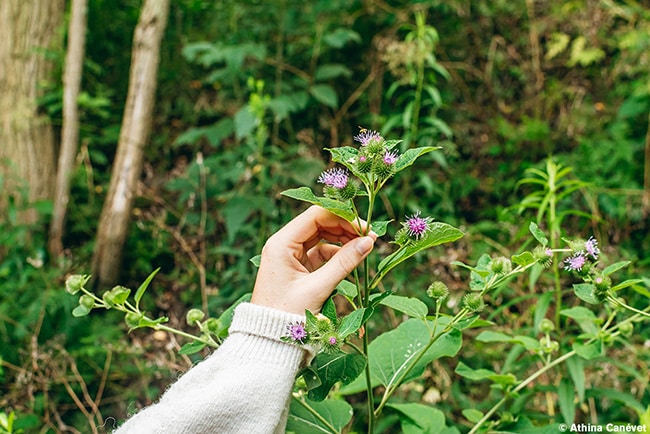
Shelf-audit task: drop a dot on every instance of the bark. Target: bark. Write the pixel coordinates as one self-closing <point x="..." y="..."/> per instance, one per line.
<point x="27" y="147"/>
<point x="134" y="134"/>
<point x="70" y="129"/>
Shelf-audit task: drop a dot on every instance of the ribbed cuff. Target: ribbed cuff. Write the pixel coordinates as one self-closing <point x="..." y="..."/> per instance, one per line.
<point x="258" y="329"/>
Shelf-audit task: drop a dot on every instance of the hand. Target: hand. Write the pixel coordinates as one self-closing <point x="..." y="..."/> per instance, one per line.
<point x="298" y="271"/>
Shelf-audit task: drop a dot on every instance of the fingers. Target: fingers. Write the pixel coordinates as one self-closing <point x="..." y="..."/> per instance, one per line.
<point x="343" y="262"/>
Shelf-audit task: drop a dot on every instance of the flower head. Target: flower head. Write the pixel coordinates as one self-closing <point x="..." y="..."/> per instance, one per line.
<point x="296" y="331"/>
<point x="575" y="262"/>
<point x="367" y="136"/>
<point x="390" y="157"/>
<point x="335" y="177"/>
<point x="591" y="246"/>
<point x="417" y="226"/>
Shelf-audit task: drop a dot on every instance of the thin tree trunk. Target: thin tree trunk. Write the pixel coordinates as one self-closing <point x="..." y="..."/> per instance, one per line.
<point x="70" y="129"/>
<point x="136" y="126"/>
<point x="27" y="149"/>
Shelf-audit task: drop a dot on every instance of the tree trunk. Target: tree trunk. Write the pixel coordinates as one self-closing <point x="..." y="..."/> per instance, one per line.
<point x="134" y="134"/>
<point x="70" y="129"/>
<point x="27" y="149"/>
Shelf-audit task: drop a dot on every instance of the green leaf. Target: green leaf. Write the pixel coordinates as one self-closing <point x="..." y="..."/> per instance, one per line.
<point x="329" y="310"/>
<point x="332" y="368"/>
<point x="394" y="351"/>
<point x="341" y="209"/>
<point x="538" y="234"/>
<point x="440" y="233"/>
<point x="586" y="292"/>
<point x="80" y="311"/>
<point x="409" y="157"/>
<point x="615" y="267"/>
<point x="566" y="396"/>
<point x="142" y="288"/>
<point x="330" y="71"/>
<point x="191" y="347"/>
<point x="379" y="227"/>
<point x="418" y="418"/>
<point x="576" y="369"/>
<point x="351" y="323"/>
<point x="256" y="260"/>
<point x="473" y="374"/>
<point x="336" y="413"/>
<point x="148" y="322"/>
<point x="325" y="94"/>
<point x="245" y="122"/>
<point x="347" y="289"/>
<point x="585" y="318"/>
<point x="492" y="336"/>
<point x="473" y="415"/>
<point x="524" y="259"/>
<point x="412" y="307"/>
<point x="626" y="284"/>
<point x="340" y="37"/>
<point x="586" y="351"/>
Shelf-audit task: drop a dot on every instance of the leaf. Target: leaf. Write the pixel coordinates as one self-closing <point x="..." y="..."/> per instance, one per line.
<point x="341" y="209"/>
<point x="440" y="233"/>
<point x="332" y="368"/>
<point x="412" y="307"/>
<point x="330" y="71"/>
<point x="586" y="351"/>
<point x="576" y="369"/>
<point x="256" y="260"/>
<point x="329" y="310"/>
<point x="409" y="157"/>
<point x="586" y="292"/>
<point x="341" y="36"/>
<point x="523" y="259"/>
<point x="626" y="283"/>
<point x="80" y="311"/>
<point x="566" y="395"/>
<point x="245" y="122"/>
<point x="351" y="323"/>
<point x="325" y="94"/>
<point x="347" y="289"/>
<point x="143" y="287"/>
<point x="336" y="412"/>
<point x="585" y="318"/>
<point x="615" y="267"/>
<point x="473" y="415"/>
<point x="394" y="351"/>
<point x="379" y="227"/>
<point x="418" y="418"/>
<point x="192" y="347"/>
<point x="538" y="234"/>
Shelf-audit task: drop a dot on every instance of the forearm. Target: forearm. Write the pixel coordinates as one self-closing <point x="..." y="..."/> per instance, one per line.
<point x="243" y="387"/>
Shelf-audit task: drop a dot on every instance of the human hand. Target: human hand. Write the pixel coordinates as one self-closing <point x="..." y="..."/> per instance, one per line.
<point x="298" y="271"/>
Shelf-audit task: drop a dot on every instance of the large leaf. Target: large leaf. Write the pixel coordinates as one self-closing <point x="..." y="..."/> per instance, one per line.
<point x="341" y="209"/>
<point x="440" y="233"/>
<point x="328" y="369"/>
<point x="419" y="418"/>
<point x="337" y="413"/>
<point x="413" y="307"/>
<point x="325" y="94"/>
<point x="409" y="157"/>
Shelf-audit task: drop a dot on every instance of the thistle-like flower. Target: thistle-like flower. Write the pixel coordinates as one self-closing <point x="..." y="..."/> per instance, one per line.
<point x="296" y="332"/>
<point x="575" y="262"/>
<point x="367" y="136"/>
<point x="416" y="226"/>
<point x="591" y="246"/>
<point x="390" y="157"/>
<point x="335" y="177"/>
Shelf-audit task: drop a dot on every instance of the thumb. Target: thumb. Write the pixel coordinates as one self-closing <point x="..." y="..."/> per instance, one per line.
<point x="343" y="262"/>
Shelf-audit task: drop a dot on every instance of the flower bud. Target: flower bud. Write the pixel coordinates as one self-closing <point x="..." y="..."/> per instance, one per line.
<point x="213" y="325"/>
<point x="87" y="301"/>
<point x="473" y="302"/>
<point x="348" y="192"/>
<point x="382" y="170"/>
<point x="626" y="329"/>
<point x="543" y="256"/>
<point x="546" y="326"/>
<point x="132" y="319"/>
<point x="438" y="291"/>
<point x="74" y="283"/>
<point x="193" y="316"/>
<point x="364" y="164"/>
<point x="116" y="296"/>
<point x="501" y="265"/>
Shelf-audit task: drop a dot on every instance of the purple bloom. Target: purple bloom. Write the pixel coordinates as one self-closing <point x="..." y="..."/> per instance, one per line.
<point x="366" y="136"/>
<point x="336" y="177"/>
<point x="575" y="262"/>
<point x="417" y="226"/>
<point x="296" y="331"/>
<point x="332" y="340"/>
<point x="362" y="159"/>
<point x="591" y="245"/>
<point x="390" y="157"/>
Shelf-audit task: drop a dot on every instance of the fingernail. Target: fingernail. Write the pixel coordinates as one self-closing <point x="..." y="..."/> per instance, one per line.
<point x="364" y="245"/>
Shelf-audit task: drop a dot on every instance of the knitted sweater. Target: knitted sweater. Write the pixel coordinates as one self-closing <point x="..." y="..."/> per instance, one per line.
<point x="243" y="387"/>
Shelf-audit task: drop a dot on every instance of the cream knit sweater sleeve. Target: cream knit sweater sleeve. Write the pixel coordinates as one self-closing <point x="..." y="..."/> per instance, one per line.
<point x="243" y="387"/>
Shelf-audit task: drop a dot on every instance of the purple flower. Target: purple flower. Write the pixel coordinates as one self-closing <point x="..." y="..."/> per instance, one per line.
<point x="362" y="159"/>
<point x="366" y="136"/>
<point x="591" y="245"/>
<point x="575" y="262"/>
<point x="296" y="331"/>
<point x="417" y="226"/>
<point x="390" y="157"/>
<point x="336" y="177"/>
<point x="332" y="340"/>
